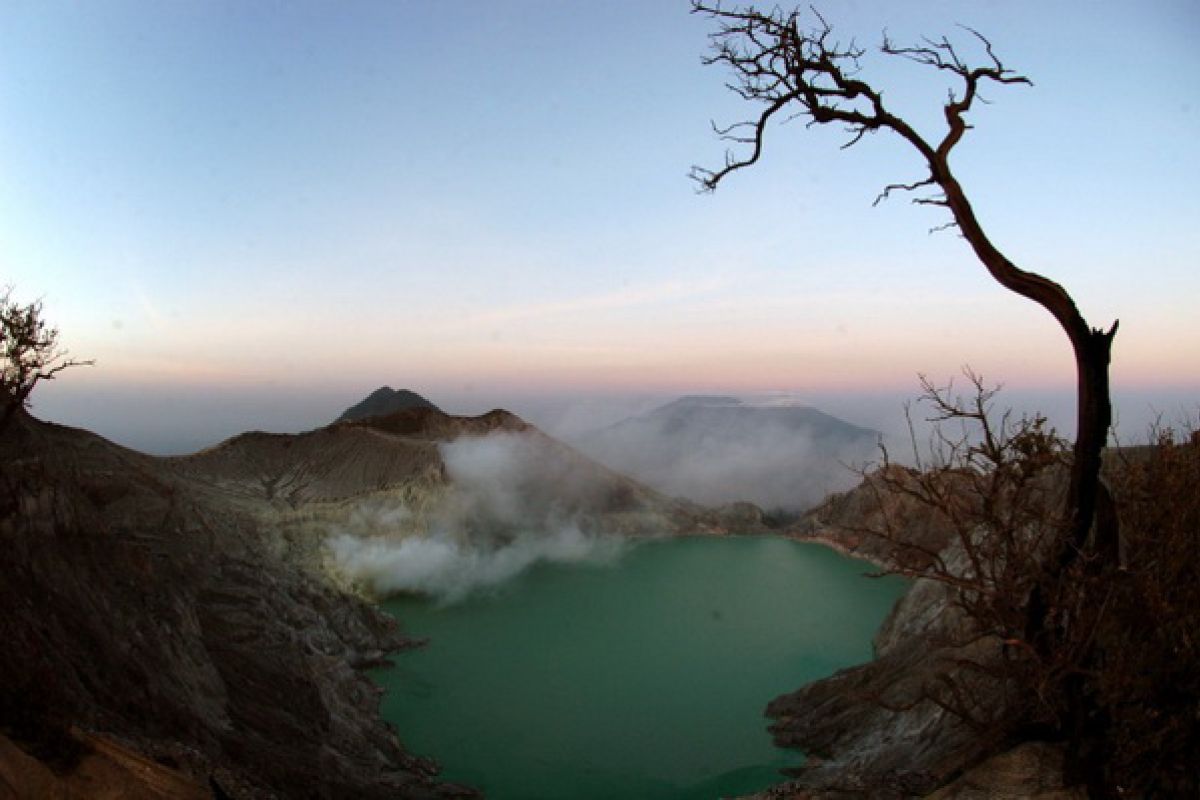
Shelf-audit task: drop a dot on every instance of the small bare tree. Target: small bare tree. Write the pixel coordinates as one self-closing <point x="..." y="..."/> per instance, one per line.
<point x="793" y="69"/>
<point x="29" y="354"/>
<point x="992" y="481"/>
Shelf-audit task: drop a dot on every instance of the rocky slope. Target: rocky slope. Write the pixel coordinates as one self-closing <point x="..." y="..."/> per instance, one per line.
<point x="181" y="610"/>
<point x="141" y="609"/>
<point x="420" y="471"/>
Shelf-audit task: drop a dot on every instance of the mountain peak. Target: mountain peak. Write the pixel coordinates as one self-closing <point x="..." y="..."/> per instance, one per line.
<point x="385" y="400"/>
<point x="710" y="400"/>
<point x="702" y="400"/>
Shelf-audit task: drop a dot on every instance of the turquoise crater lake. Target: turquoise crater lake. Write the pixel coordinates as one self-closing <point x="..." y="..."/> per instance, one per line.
<point x="642" y="678"/>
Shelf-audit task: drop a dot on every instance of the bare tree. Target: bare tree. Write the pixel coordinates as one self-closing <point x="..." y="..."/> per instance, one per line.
<point x="793" y="69"/>
<point x="29" y="354"/>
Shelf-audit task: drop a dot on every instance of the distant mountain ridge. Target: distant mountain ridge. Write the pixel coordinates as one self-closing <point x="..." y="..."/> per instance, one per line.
<point x="717" y="449"/>
<point x="384" y="401"/>
<point x="701" y="400"/>
<point x="736" y="416"/>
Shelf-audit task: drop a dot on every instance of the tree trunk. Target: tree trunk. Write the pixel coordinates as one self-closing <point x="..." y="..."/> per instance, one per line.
<point x="1053" y="618"/>
<point x="1094" y="415"/>
<point x="1087" y="499"/>
<point x="1092" y="350"/>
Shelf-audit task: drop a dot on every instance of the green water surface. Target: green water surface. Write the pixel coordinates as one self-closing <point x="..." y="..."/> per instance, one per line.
<point x="642" y="678"/>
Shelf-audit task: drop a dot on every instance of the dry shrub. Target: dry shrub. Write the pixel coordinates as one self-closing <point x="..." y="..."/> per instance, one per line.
<point x="1148" y="677"/>
<point x="1115" y="675"/>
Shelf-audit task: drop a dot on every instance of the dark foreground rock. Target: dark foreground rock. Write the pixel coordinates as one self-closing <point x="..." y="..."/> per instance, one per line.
<point x="139" y="610"/>
<point x="1029" y="771"/>
<point x="106" y="770"/>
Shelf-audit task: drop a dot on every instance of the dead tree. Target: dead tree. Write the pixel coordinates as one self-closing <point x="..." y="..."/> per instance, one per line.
<point x="796" y="70"/>
<point x="29" y="354"/>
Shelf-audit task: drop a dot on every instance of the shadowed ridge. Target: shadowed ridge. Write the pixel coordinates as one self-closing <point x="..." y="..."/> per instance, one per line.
<point x="400" y="459"/>
<point x="432" y="423"/>
<point x="339" y="461"/>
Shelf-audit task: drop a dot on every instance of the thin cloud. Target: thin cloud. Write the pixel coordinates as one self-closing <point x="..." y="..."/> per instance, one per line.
<point x="608" y="301"/>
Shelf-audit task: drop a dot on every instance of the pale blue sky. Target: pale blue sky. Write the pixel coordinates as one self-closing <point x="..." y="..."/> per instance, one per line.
<point x="484" y="200"/>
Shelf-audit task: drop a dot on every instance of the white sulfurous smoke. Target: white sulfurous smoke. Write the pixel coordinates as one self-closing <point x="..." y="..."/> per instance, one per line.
<point x="511" y="484"/>
<point x="449" y="570"/>
<point x="515" y="500"/>
<point x="378" y="516"/>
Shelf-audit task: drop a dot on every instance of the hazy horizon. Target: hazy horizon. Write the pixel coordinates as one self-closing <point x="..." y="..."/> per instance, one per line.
<point x="252" y="215"/>
<point x="182" y="420"/>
